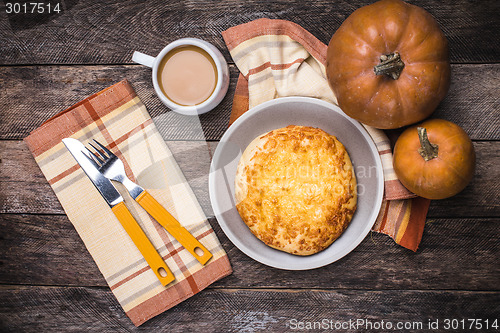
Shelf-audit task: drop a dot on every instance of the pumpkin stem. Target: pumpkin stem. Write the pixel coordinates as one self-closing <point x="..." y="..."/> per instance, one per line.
<point x="390" y="64"/>
<point x="427" y="149"/>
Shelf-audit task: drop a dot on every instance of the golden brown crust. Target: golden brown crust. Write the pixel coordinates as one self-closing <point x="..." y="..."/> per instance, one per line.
<point x="295" y="189"/>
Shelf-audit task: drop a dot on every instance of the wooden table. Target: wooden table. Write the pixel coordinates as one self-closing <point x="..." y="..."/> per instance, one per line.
<point x="50" y="283"/>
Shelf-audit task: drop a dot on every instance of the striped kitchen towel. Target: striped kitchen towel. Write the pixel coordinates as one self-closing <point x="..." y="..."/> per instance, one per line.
<point x="279" y="58"/>
<point x="117" y="117"/>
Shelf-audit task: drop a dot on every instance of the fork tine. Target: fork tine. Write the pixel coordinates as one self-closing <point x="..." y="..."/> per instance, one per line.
<point x="89" y="157"/>
<point x="104" y="148"/>
<point x="105" y="157"/>
<point x="94" y="157"/>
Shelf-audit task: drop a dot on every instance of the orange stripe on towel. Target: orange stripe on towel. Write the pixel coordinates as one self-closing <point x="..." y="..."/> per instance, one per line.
<point x="276" y="67"/>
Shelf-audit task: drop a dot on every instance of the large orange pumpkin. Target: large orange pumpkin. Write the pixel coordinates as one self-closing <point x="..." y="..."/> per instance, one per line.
<point x="388" y="64"/>
<point x="435" y="159"/>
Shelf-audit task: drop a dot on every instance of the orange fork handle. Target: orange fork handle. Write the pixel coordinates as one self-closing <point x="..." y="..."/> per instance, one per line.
<point x="142" y="242"/>
<point x="173" y="226"/>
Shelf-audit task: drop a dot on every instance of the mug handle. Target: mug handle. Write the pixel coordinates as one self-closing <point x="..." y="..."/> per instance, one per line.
<point x="143" y="59"/>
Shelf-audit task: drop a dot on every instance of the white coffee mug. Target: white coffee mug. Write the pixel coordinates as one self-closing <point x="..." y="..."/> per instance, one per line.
<point x="222" y="75"/>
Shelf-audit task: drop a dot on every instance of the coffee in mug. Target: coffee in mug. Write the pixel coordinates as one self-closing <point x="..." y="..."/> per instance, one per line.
<point x="190" y="75"/>
<point x="187" y="75"/>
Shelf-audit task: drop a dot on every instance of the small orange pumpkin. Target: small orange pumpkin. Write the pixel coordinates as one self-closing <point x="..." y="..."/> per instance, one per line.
<point x="435" y="159"/>
<point x="388" y="64"/>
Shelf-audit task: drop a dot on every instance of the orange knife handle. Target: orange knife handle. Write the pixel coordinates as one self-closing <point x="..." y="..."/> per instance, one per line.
<point x="173" y="226"/>
<point x="142" y="242"/>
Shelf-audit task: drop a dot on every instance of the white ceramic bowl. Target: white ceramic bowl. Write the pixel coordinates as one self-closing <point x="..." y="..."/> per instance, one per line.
<point x="279" y="113"/>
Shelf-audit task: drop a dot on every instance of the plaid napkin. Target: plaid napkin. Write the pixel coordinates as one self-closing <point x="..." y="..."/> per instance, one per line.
<point x="278" y="58"/>
<point x="117" y="117"/>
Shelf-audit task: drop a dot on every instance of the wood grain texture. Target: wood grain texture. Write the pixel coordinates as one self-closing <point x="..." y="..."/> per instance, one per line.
<point x="32" y="94"/>
<point x="77" y="309"/>
<point x="454" y="254"/>
<point x="25" y="190"/>
<point x="106" y="32"/>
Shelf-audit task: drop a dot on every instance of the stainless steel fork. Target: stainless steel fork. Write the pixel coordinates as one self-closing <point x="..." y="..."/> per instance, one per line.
<point x="112" y="168"/>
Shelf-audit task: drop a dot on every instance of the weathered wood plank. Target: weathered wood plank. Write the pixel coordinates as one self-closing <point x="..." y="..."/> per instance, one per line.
<point x="25" y="190"/>
<point x="37" y="309"/>
<point x="454" y="254"/>
<point x="106" y="32"/>
<point x="30" y="95"/>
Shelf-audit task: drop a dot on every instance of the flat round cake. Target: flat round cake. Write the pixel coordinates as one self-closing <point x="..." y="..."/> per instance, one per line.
<point x="295" y="189"/>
